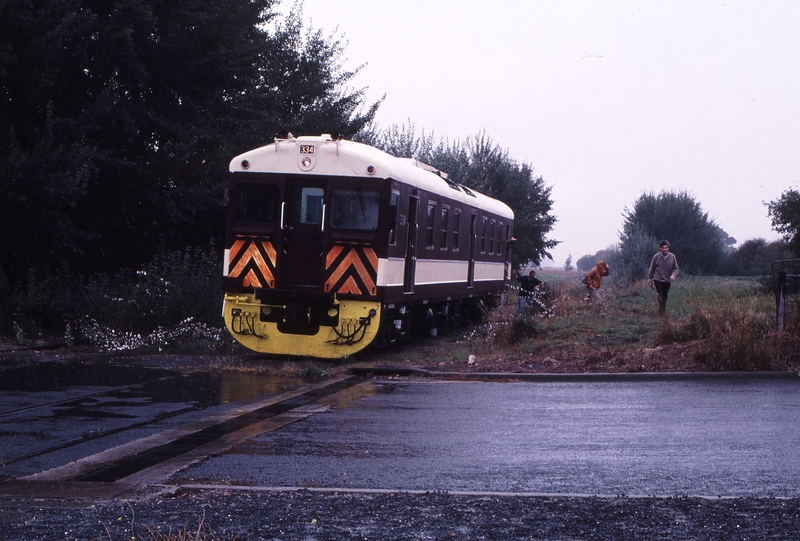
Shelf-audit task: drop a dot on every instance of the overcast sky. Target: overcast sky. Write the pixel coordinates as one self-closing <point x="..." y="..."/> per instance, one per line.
<point x="605" y="99"/>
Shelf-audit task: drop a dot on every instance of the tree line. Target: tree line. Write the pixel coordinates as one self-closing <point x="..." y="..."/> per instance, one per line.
<point x="118" y="119"/>
<point x="479" y="163"/>
<point x="704" y="247"/>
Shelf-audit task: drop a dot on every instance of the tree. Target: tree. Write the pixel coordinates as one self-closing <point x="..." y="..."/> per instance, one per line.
<point x="755" y="256"/>
<point x="118" y="119"/>
<point x="584" y="263"/>
<point x="568" y="263"/>
<point x="785" y="213"/>
<point x="480" y="164"/>
<point x="636" y="249"/>
<point x="698" y="241"/>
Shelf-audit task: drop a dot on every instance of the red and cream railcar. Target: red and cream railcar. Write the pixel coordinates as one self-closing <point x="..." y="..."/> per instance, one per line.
<point x="333" y="245"/>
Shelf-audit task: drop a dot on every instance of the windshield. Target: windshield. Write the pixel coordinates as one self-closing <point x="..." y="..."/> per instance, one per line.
<point x="256" y="203"/>
<point x="355" y="208"/>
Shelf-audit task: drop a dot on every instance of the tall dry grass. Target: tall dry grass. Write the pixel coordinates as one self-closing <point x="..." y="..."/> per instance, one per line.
<point x="735" y="338"/>
<point x="728" y="322"/>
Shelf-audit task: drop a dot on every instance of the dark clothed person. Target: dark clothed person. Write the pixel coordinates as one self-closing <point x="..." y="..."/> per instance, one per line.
<point x="527" y="284"/>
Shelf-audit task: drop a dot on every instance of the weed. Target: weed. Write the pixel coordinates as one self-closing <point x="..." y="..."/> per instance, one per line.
<point x="311" y="371"/>
<point x="202" y="533"/>
<point x="19" y="334"/>
<point x="69" y="338"/>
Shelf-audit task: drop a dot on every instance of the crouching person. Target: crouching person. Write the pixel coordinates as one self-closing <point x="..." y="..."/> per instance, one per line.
<point x="593" y="279"/>
<point x="527" y="285"/>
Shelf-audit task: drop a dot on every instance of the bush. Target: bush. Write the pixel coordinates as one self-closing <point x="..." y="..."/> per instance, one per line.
<point x="174" y="287"/>
<point x="634" y="254"/>
<point x="43" y="305"/>
<point x="738" y="338"/>
<point x="506" y="326"/>
<point x="185" y="336"/>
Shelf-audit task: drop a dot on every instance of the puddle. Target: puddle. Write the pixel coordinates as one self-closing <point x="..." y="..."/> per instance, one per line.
<point x="179" y="446"/>
<point x="153" y="384"/>
<point x="56" y="376"/>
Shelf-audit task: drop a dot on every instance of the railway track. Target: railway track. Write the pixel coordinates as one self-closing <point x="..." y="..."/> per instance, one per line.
<point x="162" y="441"/>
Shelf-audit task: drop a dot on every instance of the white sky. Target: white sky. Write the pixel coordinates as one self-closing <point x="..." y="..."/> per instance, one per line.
<point x="605" y="99"/>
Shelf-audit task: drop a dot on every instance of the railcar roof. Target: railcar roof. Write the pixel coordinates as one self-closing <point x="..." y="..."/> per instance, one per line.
<point x="347" y="158"/>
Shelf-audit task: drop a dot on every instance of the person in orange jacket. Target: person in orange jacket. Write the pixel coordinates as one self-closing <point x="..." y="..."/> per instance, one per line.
<point x="593" y="279"/>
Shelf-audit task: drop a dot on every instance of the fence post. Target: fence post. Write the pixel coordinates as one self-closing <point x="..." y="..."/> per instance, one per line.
<point x="780" y="301"/>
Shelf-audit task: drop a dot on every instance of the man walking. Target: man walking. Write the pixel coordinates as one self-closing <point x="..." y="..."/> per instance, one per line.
<point x="663" y="271"/>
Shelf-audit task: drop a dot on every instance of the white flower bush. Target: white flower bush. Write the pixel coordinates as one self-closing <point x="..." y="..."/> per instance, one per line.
<point x="186" y="332"/>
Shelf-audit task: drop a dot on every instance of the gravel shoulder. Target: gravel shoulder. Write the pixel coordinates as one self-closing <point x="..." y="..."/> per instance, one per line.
<point x="305" y="515"/>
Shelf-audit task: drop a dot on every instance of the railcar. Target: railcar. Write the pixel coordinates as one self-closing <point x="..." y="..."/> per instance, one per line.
<point x="333" y="245"/>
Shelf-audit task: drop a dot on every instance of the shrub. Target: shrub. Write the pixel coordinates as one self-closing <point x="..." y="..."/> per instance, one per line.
<point x="43" y="305"/>
<point x="173" y="287"/>
<point x="165" y="292"/>
<point x="186" y="334"/>
<point x="506" y="326"/>
<point x="735" y="338"/>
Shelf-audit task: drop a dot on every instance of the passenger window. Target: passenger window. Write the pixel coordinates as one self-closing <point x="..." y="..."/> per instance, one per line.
<point x="456" y="227"/>
<point x="429" y="225"/>
<point x="256" y="203"/>
<point x="355" y="208"/>
<point x="499" y="238"/>
<point x="443" y="228"/>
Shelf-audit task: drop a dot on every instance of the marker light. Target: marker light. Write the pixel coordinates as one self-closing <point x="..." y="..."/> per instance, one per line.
<point x="245" y="164"/>
<point x="370" y="169"/>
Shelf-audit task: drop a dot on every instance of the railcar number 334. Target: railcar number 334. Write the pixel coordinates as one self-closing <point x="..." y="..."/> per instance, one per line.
<point x="334" y="245"/>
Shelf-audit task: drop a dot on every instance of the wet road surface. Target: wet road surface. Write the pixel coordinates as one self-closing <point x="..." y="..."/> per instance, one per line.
<point x="74" y="422"/>
<point x="55" y="413"/>
<point x="701" y="438"/>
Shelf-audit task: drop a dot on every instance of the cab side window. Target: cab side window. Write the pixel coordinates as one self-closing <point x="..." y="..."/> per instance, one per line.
<point x="393" y="203"/>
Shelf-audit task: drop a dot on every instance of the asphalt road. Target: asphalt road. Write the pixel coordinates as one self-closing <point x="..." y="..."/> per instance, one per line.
<point x="699" y="438"/>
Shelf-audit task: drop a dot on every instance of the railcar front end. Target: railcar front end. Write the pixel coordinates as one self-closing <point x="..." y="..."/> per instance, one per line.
<point x="300" y="265"/>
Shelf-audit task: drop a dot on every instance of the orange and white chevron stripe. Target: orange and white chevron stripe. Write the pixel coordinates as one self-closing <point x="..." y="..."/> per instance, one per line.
<point x="254" y="262"/>
<point x="351" y="270"/>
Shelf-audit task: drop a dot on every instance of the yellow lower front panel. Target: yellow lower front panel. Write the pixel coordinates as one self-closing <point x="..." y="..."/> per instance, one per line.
<point x="358" y="323"/>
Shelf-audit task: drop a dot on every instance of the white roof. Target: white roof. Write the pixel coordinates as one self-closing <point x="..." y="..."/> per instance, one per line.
<point x="323" y="155"/>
